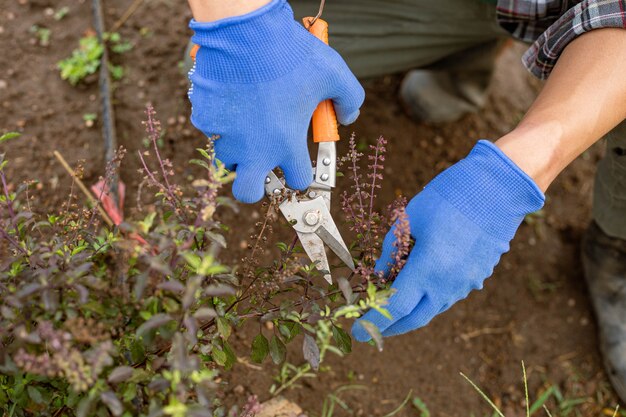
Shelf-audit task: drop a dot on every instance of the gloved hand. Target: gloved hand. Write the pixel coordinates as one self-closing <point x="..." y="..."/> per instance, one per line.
<point x="462" y="223"/>
<point x="257" y="80"/>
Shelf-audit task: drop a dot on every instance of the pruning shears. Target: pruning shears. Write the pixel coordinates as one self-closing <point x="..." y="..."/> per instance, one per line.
<point x="309" y="212"/>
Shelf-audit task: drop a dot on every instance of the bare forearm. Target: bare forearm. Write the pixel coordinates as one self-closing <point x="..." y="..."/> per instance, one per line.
<point x="584" y="98"/>
<point x="211" y="10"/>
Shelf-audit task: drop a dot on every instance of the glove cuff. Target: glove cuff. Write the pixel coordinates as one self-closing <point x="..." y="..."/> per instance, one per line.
<point x="260" y="46"/>
<point x="490" y="189"/>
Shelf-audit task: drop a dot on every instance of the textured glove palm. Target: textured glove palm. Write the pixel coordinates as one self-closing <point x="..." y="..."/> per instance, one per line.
<point x="256" y="83"/>
<point x="462" y="223"/>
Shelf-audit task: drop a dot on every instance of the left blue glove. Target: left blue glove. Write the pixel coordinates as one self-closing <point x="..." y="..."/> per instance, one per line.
<point x="257" y="80"/>
<point x="462" y="223"/>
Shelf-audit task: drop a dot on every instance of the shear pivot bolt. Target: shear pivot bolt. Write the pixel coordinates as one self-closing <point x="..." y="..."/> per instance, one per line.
<point x="324" y="177"/>
<point x="268" y="180"/>
<point x="311" y="218"/>
<point x="277" y="191"/>
<point x="312" y="194"/>
<point x="326" y="161"/>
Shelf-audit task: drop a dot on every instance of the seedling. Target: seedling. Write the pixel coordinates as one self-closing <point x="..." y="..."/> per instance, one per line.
<point x="61" y="13"/>
<point x="86" y="59"/>
<point x="90" y="119"/>
<point x="42" y="34"/>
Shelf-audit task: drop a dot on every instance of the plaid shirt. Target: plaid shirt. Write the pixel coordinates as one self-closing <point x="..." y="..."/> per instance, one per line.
<point x="553" y="24"/>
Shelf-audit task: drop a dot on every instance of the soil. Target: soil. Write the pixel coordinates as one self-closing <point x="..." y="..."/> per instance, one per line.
<point x="535" y="307"/>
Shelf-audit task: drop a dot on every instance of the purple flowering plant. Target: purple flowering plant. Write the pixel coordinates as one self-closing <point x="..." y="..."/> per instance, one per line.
<point x="137" y="320"/>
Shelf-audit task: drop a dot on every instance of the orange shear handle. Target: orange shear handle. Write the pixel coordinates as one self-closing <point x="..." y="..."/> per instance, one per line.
<point x="325" y="126"/>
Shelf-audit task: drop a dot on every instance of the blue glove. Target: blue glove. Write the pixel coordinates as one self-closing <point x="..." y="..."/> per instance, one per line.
<point x="257" y="80"/>
<point x="462" y="223"/>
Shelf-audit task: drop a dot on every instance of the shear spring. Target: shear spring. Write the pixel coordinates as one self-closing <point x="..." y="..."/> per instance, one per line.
<point x="319" y="13"/>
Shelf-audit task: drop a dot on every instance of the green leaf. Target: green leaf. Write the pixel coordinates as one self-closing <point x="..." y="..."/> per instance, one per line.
<point x="278" y="351"/>
<point x="260" y="349"/>
<point x="543" y="398"/>
<point x="289" y="330"/>
<point x="204" y="153"/>
<point x="421" y="407"/>
<point x="9" y="135"/>
<point x="130" y="392"/>
<point x="35" y="395"/>
<point x="231" y="358"/>
<point x="117" y="71"/>
<point x="342" y="339"/>
<point x="224" y="328"/>
<point x="219" y="356"/>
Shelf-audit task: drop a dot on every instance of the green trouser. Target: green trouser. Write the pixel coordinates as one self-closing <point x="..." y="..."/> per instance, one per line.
<point x="609" y="197"/>
<point x="461" y="37"/>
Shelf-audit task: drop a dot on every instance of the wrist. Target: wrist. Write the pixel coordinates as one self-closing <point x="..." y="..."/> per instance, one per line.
<point x="260" y="46"/>
<point x="212" y="10"/>
<point x="535" y="149"/>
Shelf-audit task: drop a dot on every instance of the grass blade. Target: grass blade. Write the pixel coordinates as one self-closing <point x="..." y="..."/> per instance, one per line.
<point x="496" y="409"/>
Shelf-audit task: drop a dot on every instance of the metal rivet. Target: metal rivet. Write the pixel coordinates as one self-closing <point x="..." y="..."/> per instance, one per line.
<point x="312" y="194"/>
<point x="268" y="180"/>
<point x="311" y="218"/>
<point x="326" y="161"/>
<point x="277" y="191"/>
<point x="324" y="177"/>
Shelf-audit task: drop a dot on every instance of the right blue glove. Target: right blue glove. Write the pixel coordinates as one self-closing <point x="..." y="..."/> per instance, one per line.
<point x="462" y="223"/>
<point x="257" y="80"/>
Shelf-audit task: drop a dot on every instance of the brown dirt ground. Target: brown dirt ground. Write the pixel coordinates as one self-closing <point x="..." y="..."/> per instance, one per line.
<point x="535" y="308"/>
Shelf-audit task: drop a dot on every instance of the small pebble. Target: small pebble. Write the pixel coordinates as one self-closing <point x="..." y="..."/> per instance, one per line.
<point x="3" y="84"/>
<point x="1" y="30"/>
<point x="239" y="389"/>
<point x="439" y="141"/>
<point x="182" y="120"/>
<point x="571" y="302"/>
<point x="171" y="121"/>
<point x="584" y="321"/>
<point x="243" y="244"/>
<point x="269" y="325"/>
<point x="49" y="11"/>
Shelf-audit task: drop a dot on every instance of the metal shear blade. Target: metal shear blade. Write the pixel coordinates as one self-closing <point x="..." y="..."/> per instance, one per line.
<point x="311" y="219"/>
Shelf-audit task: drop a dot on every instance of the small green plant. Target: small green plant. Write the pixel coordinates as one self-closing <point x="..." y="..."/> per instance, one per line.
<point x="85" y="60"/>
<point x="565" y="406"/>
<point x="61" y="13"/>
<point x="43" y="34"/>
<point x="90" y="119"/>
